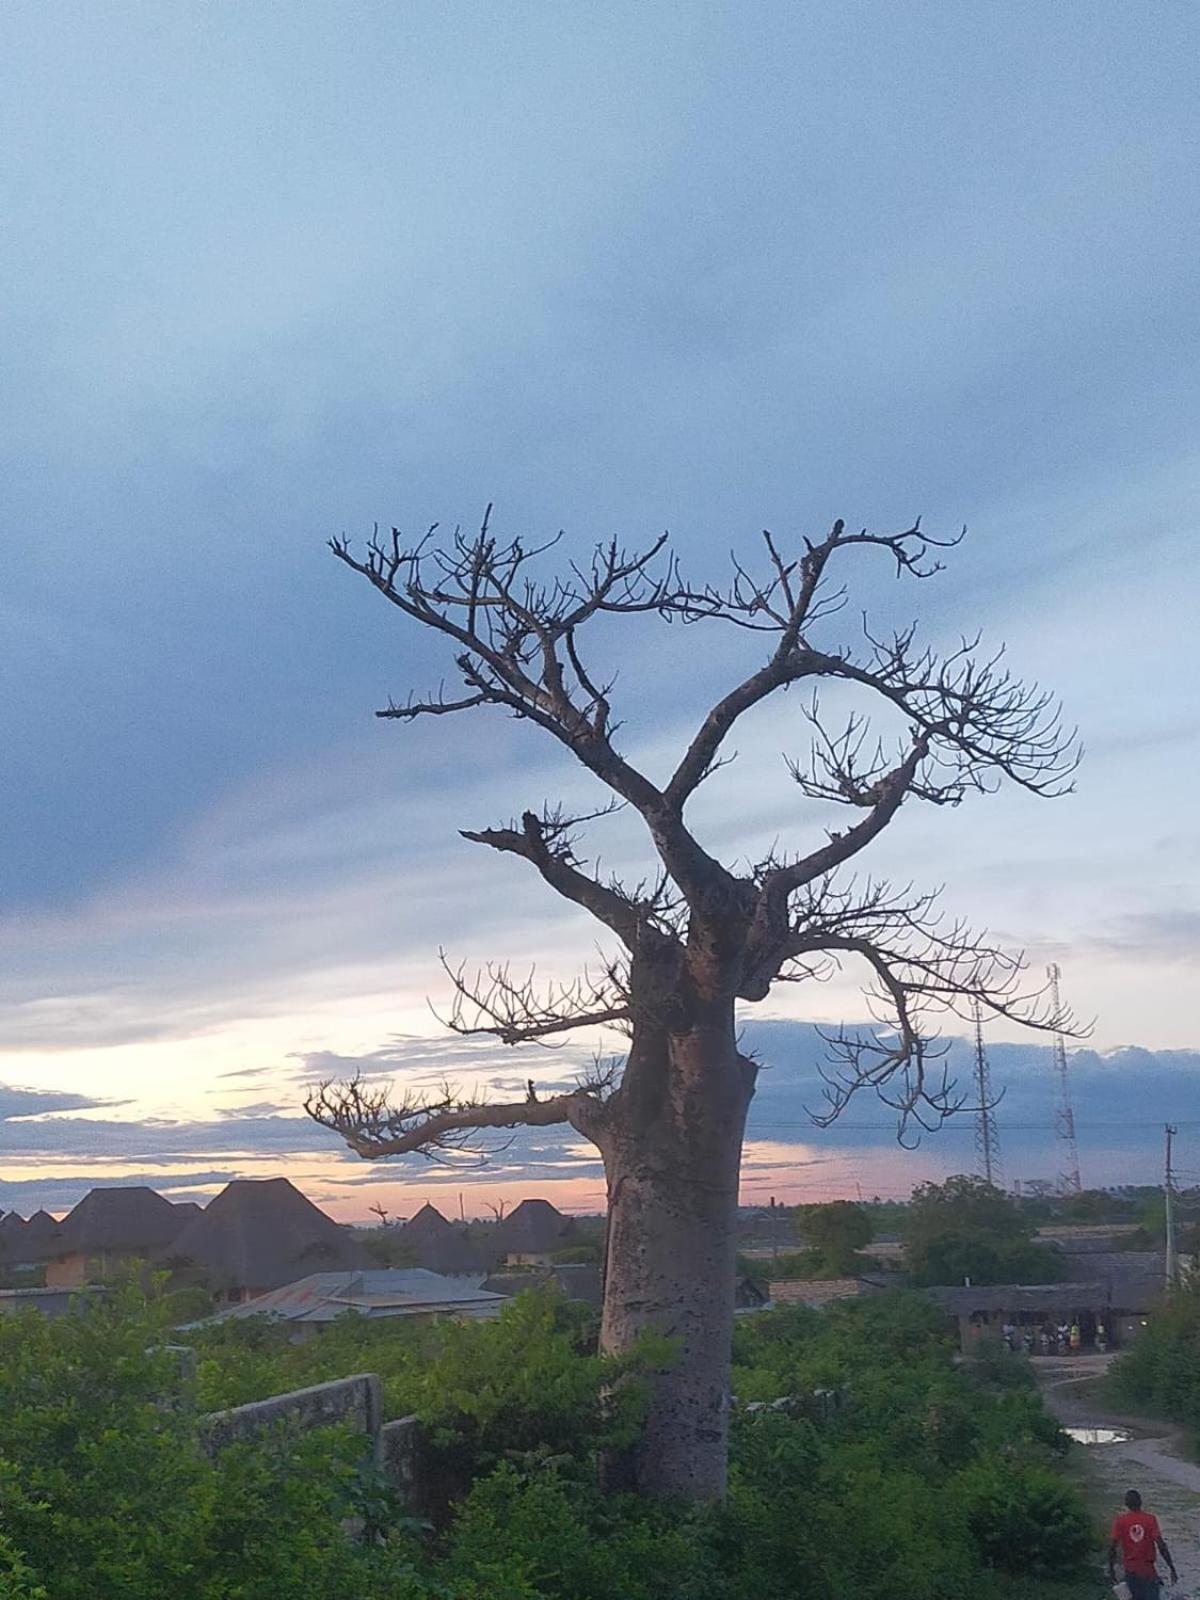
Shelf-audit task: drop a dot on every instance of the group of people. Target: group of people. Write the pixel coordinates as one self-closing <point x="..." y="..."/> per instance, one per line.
<point x="1066" y="1339"/>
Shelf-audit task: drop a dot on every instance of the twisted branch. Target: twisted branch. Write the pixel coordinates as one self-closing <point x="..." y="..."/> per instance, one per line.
<point x="443" y="1127"/>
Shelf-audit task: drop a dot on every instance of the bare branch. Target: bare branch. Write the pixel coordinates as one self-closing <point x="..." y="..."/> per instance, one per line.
<point x="518" y="649"/>
<point x="923" y="965"/>
<point x="547" y="842"/>
<point x="787" y="602"/>
<point x="512" y="1010"/>
<point x="702" y="932"/>
<point x="442" y="1128"/>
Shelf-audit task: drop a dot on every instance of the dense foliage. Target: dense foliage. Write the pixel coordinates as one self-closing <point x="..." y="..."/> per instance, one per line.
<point x="886" y="1470"/>
<point x="1161" y="1368"/>
<point x="835" y="1233"/>
<point x="967" y="1228"/>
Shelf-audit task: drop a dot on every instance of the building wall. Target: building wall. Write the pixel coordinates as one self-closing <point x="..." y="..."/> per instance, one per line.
<point x="67" y="1272"/>
<point x="1127" y="1328"/>
<point x="73" y="1271"/>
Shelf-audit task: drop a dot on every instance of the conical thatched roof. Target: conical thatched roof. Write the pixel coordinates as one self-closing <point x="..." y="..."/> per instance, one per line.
<point x="133" y="1220"/>
<point x="441" y="1246"/>
<point x="534" y="1228"/>
<point x="428" y="1223"/>
<point x="12" y="1236"/>
<point x="261" y="1234"/>
<point x="40" y="1238"/>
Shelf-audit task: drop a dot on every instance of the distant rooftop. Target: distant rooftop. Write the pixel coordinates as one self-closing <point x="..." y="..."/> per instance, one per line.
<point x="534" y="1228"/>
<point x="260" y="1234"/>
<point x="371" y="1292"/>
<point x="129" y="1219"/>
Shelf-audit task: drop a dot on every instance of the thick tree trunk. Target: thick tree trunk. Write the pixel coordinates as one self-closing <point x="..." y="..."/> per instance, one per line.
<point x="672" y="1158"/>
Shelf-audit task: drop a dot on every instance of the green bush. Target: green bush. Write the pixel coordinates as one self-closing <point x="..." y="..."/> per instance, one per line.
<point x="891" y="1470"/>
<point x="548" y="1535"/>
<point x="1024" y="1519"/>
<point x="16" y="1578"/>
<point x="1161" y="1369"/>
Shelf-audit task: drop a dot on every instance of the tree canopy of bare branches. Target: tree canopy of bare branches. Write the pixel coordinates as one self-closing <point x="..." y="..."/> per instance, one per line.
<point x="697" y="928"/>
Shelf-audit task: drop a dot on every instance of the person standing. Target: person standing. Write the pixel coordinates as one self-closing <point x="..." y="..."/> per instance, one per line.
<point x="1138" y="1537"/>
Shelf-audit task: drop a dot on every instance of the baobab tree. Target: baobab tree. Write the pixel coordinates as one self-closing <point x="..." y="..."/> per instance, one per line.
<point x="698" y="935"/>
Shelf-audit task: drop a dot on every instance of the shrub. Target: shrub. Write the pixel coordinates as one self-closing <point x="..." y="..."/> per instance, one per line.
<point x="521" y="1386"/>
<point x="1161" y="1369"/>
<point x="1024" y="1519"/>
<point x="16" y="1577"/>
<point x="542" y="1534"/>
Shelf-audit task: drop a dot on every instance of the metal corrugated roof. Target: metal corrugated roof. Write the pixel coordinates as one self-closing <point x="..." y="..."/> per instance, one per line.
<point x="380" y="1292"/>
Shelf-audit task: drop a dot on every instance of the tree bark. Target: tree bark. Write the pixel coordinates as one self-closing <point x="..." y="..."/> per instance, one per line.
<point x="672" y="1159"/>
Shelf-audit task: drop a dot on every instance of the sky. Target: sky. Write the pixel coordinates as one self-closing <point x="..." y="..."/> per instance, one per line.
<point x="273" y="274"/>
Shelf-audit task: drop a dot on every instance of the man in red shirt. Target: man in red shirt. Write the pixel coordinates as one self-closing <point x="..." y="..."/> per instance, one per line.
<point x="1137" y="1535"/>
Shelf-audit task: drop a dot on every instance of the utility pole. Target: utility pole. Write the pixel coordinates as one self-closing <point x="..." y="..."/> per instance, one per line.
<point x="1169" y="1194"/>
<point x="987" y="1134"/>
<point x="1064" y="1117"/>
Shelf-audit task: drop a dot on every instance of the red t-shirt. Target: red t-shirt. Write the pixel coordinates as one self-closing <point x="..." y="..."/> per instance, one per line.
<point x="1135" y="1532"/>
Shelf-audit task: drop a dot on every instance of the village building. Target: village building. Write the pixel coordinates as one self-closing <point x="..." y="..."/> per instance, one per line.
<point x="39" y="1236"/>
<point x="377" y="1293"/>
<point x="26" y="1244"/>
<point x="108" y="1229"/>
<point x="576" y="1280"/>
<point x="1120" y="1296"/>
<point x="532" y="1234"/>
<point x="258" y="1235"/>
<point x="440" y="1246"/>
<point x="817" y="1292"/>
<point x="50" y="1302"/>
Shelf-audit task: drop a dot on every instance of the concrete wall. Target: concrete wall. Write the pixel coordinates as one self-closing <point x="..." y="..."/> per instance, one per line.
<point x="357" y="1400"/>
<point x="51" y="1302"/>
<point x="398" y="1450"/>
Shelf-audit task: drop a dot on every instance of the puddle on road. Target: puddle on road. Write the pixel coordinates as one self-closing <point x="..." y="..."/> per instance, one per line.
<point x="1098" y="1435"/>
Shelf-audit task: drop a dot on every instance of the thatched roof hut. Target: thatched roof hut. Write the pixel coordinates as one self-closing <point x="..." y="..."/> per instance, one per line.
<point x="535" y="1228"/>
<point x="260" y="1234"/>
<point x="121" y="1221"/>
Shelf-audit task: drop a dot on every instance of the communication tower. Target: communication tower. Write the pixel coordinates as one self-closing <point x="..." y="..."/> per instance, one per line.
<point x="1069" y="1181"/>
<point x="987" y="1135"/>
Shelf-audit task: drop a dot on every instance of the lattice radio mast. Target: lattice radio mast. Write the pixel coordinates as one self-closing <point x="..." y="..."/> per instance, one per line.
<point x="1069" y="1181"/>
<point x="987" y="1135"/>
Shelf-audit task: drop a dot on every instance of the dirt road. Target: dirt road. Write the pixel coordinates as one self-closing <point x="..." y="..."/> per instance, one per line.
<point x="1150" y="1458"/>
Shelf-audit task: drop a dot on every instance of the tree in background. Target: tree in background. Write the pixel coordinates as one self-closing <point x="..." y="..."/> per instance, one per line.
<point x="967" y="1228"/>
<point x="835" y="1232"/>
<point x="697" y="935"/>
<point x="387" y="1247"/>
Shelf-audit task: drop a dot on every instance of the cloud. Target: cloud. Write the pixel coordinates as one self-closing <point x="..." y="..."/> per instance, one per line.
<point x="608" y="323"/>
<point x="259" y="1109"/>
<point x="784" y="1150"/>
<point x="1170" y="934"/>
<point x="16" y="1102"/>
